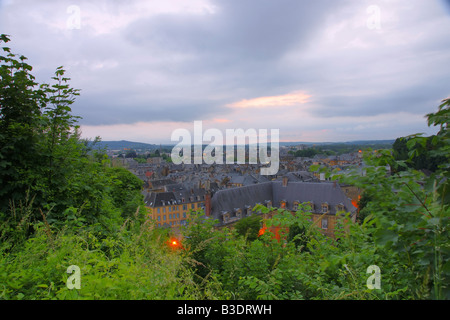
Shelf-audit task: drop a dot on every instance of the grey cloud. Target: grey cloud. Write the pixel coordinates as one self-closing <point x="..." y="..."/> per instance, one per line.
<point x="173" y="67"/>
<point x="98" y="110"/>
<point x="240" y="30"/>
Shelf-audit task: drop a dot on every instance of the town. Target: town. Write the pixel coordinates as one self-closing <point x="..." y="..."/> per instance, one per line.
<point x="229" y="192"/>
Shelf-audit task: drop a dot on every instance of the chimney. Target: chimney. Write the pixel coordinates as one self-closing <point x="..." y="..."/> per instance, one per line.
<point x="208" y="204"/>
<point x="285" y="181"/>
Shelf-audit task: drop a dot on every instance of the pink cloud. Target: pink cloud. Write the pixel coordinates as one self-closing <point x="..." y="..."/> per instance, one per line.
<point x="289" y="99"/>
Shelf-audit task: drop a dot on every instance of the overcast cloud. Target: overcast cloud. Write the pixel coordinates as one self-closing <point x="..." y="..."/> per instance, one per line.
<point x="316" y="70"/>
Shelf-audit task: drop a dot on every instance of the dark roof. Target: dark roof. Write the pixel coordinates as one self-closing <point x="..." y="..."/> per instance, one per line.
<point x="229" y="200"/>
<point x="240" y="197"/>
<point x="315" y="192"/>
<point x="156" y="199"/>
<point x="180" y="196"/>
<point x="162" y="182"/>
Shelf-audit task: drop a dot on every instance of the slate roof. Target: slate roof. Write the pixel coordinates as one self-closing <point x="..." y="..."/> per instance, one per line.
<point x="316" y="193"/>
<point x="240" y="197"/>
<point x="229" y="200"/>
<point x="162" y="182"/>
<point x="159" y="199"/>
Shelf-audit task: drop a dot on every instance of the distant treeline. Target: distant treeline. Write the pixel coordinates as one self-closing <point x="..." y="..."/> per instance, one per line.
<point x="338" y="149"/>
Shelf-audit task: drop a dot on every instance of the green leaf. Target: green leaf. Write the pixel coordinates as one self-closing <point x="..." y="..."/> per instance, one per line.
<point x="386" y="236"/>
<point x="434" y="221"/>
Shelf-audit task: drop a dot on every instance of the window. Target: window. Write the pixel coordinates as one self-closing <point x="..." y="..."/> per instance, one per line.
<point x="164" y="210"/>
<point x="324" y="208"/>
<point x="324" y="223"/>
<point x="283" y="204"/>
<point x="295" y="206"/>
<point x="184" y="214"/>
<point x="159" y="218"/>
<point x="184" y="207"/>
<point x="159" y="210"/>
<point x="193" y="206"/>
<point x="170" y="209"/>
<point x="170" y="216"/>
<point x="178" y="216"/>
<point x="164" y="218"/>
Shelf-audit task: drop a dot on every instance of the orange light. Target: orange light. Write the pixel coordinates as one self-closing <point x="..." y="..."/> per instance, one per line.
<point x="261" y="231"/>
<point x="174" y="243"/>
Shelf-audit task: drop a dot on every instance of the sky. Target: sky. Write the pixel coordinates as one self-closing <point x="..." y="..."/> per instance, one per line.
<point x="319" y="71"/>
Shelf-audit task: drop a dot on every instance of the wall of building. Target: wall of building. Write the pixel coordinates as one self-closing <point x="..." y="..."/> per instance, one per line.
<point x="173" y="215"/>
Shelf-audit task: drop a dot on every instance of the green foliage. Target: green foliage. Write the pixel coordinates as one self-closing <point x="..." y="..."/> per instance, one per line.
<point x="20" y="113"/>
<point x="249" y="227"/>
<point x="43" y="158"/>
<point x="411" y="211"/>
<point x="129" y="265"/>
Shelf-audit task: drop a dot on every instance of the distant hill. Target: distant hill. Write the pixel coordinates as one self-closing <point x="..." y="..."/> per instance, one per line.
<point x="357" y="142"/>
<point x="123" y="144"/>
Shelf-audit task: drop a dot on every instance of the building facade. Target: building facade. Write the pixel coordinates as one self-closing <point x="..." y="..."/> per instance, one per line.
<point x="327" y="202"/>
<point x="172" y="208"/>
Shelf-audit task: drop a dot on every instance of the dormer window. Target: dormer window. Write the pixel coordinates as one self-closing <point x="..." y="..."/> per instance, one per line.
<point x="268" y="203"/>
<point x="283" y="204"/>
<point x="324" y="207"/>
<point x="295" y="205"/>
<point x="238" y="213"/>
<point x="340" y="207"/>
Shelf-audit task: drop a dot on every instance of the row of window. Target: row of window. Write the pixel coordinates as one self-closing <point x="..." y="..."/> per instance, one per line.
<point x="325" y="206"/>
<point x="174" y="223"/>
<point x="171" y="216"/>
<point x="177" y="208"/>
